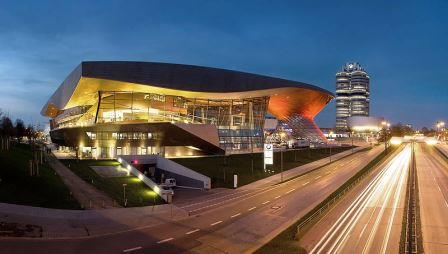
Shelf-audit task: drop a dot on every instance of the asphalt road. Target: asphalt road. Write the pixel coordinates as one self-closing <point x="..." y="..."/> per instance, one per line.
<point x="369" y="218"/>
<point x="231" y="224"/>
<point x="432" y="173"/>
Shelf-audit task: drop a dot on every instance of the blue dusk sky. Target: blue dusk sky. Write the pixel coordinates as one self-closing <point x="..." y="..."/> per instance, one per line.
<point x="402" y="44"/>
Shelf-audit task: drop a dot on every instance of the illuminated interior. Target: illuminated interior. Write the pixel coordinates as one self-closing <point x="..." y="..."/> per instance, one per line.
<point x="119" y="96"/>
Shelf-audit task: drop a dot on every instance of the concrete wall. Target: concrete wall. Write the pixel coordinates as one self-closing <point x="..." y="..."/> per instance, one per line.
<point x="190" y="177"/>
<point x="183" y="175"/>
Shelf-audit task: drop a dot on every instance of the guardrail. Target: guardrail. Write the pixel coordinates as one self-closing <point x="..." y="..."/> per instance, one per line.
<point x="410" y="239"/>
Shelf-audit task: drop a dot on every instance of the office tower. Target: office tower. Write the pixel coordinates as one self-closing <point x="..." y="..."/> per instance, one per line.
<point x="352" y="94"/>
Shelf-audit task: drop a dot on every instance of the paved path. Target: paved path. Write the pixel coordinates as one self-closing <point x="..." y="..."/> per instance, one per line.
<point x="86" y="194"/>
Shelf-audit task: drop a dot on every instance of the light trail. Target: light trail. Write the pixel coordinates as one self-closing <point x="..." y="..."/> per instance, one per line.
<point x="385" y="188"/>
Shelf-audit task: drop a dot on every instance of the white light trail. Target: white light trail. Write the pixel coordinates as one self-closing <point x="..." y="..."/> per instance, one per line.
<point x="385" y="187"/>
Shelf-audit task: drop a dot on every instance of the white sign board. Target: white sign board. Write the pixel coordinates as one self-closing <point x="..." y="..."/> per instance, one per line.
<point x="268" y="154"/>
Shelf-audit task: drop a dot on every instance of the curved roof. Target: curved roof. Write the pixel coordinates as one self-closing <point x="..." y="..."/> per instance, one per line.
<point x="178" y="79"/>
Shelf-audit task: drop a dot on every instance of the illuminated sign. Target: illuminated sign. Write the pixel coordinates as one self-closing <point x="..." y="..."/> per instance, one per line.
<point x="268" y="154"/>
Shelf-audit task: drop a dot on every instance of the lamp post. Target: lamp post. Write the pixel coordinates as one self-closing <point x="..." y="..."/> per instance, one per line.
<point x="153" y="194"/>
<point x="352" y="133"/>
<point x="124" y="194"/>
<point x="439" y="125"/>
<point x="331" y="134"/>
<point x="385" y="124"/>
<point x="282" y="135"/>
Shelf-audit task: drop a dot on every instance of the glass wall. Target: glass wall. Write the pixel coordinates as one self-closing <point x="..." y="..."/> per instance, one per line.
<point x="239" y="122"/>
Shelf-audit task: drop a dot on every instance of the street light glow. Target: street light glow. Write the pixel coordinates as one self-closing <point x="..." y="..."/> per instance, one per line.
<point x="396" y="141"/>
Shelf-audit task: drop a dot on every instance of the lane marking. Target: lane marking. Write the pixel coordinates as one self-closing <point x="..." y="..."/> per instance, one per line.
<point x="291" y="190"/>
<point x="233" y="216"/>
<point x="265" y="202"/>
<point x="165" y="240"/>
<point x="277" y="197"/>
<point x="132" y="249"/>
<point x="305" y="183"/>
<point x="192" y="231"/>
<point x="317" y="177"/>
<point x="252" y="208"/>
<point x="216" y="223"/>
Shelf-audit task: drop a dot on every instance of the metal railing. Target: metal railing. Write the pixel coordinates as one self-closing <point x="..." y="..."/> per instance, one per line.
<point x="411" y="213"/>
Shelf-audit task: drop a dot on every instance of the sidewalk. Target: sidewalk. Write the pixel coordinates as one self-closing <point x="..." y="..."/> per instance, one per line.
<point x="87" y="195"/>
<point x="57" y="223"/>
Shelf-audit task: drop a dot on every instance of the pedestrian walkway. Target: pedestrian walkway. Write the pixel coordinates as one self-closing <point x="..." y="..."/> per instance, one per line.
<point x="87" y="195"/>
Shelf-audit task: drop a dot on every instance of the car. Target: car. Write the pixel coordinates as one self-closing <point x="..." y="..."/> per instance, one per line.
<point x="170" y="182"/>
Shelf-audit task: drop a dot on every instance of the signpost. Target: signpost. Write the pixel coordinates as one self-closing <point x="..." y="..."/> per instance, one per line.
<point x="268" y="155"/>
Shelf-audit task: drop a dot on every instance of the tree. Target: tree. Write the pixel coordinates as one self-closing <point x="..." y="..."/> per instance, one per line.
<point x="6" y="132"/>
<point x="428" y="132"/>
<point x="400" y="130"/>
<point x="30" y="133"/>
<point x="19" y="129"/>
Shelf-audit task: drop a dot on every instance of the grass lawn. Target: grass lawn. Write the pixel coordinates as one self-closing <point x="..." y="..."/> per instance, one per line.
<point x="222" y="168"/>
<point x="137" y="193"/>
<point x="17" y="187"/>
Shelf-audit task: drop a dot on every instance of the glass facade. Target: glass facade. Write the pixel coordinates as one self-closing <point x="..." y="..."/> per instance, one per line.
<point x="352" y="94"/>
<point x="239" y="121"/>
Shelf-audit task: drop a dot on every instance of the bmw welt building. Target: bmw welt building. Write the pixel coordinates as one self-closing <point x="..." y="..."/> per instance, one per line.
<point x="104" y="109"/>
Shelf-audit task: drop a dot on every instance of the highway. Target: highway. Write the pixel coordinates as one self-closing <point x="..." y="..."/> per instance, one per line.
<point x="432" y="173"/>
<point x="233" y="224"/>
<point x="369" y="218"/>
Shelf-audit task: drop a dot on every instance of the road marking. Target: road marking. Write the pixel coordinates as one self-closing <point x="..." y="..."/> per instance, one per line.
<point x="233" y="216"/>
<point x="277" y="197"/>
<point x="265" y="202"/>
<point x="216" y="223"/>
<point x="192" y="231"/>
<point x="291" y="190"/>
<point x="305" y="183"/>
<point x="165" y="240"/>
<point x="252" y="208"/>
<point x="132" y="249"/>
<point x="317" y="177"/>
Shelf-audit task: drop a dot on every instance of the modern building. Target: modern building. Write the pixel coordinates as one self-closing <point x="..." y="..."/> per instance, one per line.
<point x="105" y="109"/>
<point x="352" y="94"/>
<point x="365" y="124"/>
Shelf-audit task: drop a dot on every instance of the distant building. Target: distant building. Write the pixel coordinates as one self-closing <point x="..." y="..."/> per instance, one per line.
<point x="352" y="94"/>
<point x="367" y="124"/>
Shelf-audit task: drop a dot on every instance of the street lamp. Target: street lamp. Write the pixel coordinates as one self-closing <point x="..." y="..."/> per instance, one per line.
<point x="385" y="124"/>
<point x="330" y="135"/>
<point x="352" y="139"/>
<point x="124" y="194"/>
<point x="153" y="194"/>
<point x="282" y="135"/>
